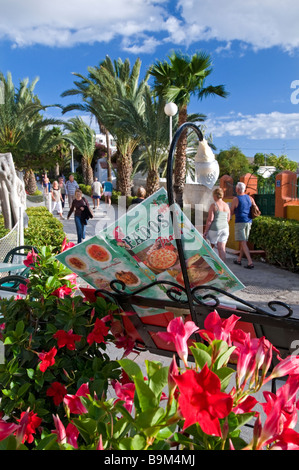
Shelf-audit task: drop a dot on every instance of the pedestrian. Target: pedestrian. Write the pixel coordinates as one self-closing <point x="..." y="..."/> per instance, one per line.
<point x="70" y="186"/>
<point x="57" y="199"/>
<point x="46" y="182"/>
<point x="61" y="185"/>
<point x="79" y="205"/>
<point x="241" y="207"/>
<point x="108" y="187"/>
<point x="217" y="228"/>
<point x="141" y="193"/>
<point x="96" y="192"/>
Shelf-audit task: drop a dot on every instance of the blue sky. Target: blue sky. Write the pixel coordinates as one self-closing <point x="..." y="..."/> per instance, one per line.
<point x="254" y="46"/>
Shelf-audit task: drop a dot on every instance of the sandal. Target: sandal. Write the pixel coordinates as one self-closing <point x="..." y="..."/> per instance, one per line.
<point x="249" y="266"/>
<point x="237" y="262"/>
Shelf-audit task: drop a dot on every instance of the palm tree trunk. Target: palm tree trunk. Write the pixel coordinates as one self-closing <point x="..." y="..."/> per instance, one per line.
<point x="89" y="174"/>
<point x="31" y="185"/>
<point x="84" y="168"/>
<point x="124" y="173"/>
<point x="180" y="160"/>
<point x="152" y="182"/>
<point x="109" y="174"/>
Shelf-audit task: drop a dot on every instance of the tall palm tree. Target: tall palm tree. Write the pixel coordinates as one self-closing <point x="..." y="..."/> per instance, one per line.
<point x="84" y="139"/>
<point x="101" y="91"/>
<point x="178" y="80"/>
<point x="19" y="112"/>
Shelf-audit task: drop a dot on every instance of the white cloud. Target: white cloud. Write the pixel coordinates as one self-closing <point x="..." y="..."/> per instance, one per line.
<point x="260" y="23"/>
<point x="142" y="25"/>
<point x="66" y="23"/>
<point x="274" y="125"/>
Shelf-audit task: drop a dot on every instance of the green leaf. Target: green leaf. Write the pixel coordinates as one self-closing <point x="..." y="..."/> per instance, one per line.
<point x="224" y="374"/>
<point x="149" y="418"/>
<point x="20" y="328"/>
<point x="48" y="443"/>
<point x="146" y="397"/>
<point x="159" y="380"/>
<point x="131" y="368"/>
<point x="201" y="356"/>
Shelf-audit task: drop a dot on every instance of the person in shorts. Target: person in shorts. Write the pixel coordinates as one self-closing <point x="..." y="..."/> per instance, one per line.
<point x="108" y="187"/>
<point x="96" y="192"/>
<point x="241" y="207"/>
<point x="56" y="198"/>
<point x="217" y="228"/>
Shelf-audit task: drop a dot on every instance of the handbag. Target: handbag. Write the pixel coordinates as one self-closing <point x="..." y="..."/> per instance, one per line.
<point x="254" y="210"/>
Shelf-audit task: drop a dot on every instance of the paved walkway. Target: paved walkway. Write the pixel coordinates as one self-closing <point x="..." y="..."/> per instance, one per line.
<point x="263" y="284"/>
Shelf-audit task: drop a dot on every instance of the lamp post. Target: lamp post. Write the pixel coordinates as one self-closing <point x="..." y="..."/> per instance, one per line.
<point x="170" y="109"/>
<point x="72" y="164"/>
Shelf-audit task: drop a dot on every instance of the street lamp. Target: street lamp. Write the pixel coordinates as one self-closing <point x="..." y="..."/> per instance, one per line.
<point x="170" y="109"/>
<point x="72" y="165"/>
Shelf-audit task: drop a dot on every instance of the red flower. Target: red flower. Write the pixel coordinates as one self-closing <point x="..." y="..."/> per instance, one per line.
<point x="74" y="403"/>
<point x="31" y="258"/>
<point x="201" y="400"/>
<point x="68" y="435"/>
<point x="47" y="359"/>
<point x="65" y="245"/>
<point x="62" y="291"/>
<point x="57" y="391"/>
<point x="97" y="335"/>
<point x="67" y="339"/>
<point x="29" y="421"/>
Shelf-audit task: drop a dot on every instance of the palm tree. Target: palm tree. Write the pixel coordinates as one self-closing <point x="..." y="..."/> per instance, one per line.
<point x="19" y="112"/>
<point x="177" y="80"/>
<point x="101" y="91"/>
<point x="84" y="139"/>
<point x="36" y="150"/>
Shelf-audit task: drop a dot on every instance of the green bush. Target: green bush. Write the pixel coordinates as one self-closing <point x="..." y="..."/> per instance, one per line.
<point x="43" y="229"/>
<point x="86" y="189"/>
<point x="3" y="231"/>
<point x="279" y="238"/>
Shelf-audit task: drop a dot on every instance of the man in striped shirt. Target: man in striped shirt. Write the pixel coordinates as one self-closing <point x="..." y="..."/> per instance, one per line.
<point x="70" y="186"/>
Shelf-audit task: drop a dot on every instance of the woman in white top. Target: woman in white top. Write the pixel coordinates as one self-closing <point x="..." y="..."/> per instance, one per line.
<point x="217" y="228"/>
<point x="57" y="198"/>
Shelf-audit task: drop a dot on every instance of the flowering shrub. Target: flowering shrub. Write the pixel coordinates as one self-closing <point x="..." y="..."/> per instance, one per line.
<point x="55" y="383"/>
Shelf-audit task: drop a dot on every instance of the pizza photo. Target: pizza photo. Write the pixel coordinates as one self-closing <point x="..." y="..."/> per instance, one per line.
<point x="162" y="259"/>
<point x="76" y="263"/>
<point x="98" y="253"/>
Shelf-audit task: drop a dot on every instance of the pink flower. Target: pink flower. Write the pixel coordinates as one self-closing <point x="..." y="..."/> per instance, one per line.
<point x="74" y="403"/>
<point x="65" y="245"/>
<point x="6" y="429"/>
<point x="2" y="328"/>
<point x="287" y="366"/>
<point x="62" y="291"/>
<point x="179" y="333"/>
<point x="23" y="288"/>
<point x="66" y="436"/>
<point x="216" y="328"/>
<point x="281" y="411"/>
<point x="47" y="359"/>
<point x="125" y="393"/>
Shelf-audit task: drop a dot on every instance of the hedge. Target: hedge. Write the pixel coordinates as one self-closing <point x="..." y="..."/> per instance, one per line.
<point x="43" y="229"/>
<point x="279" y="238"/>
